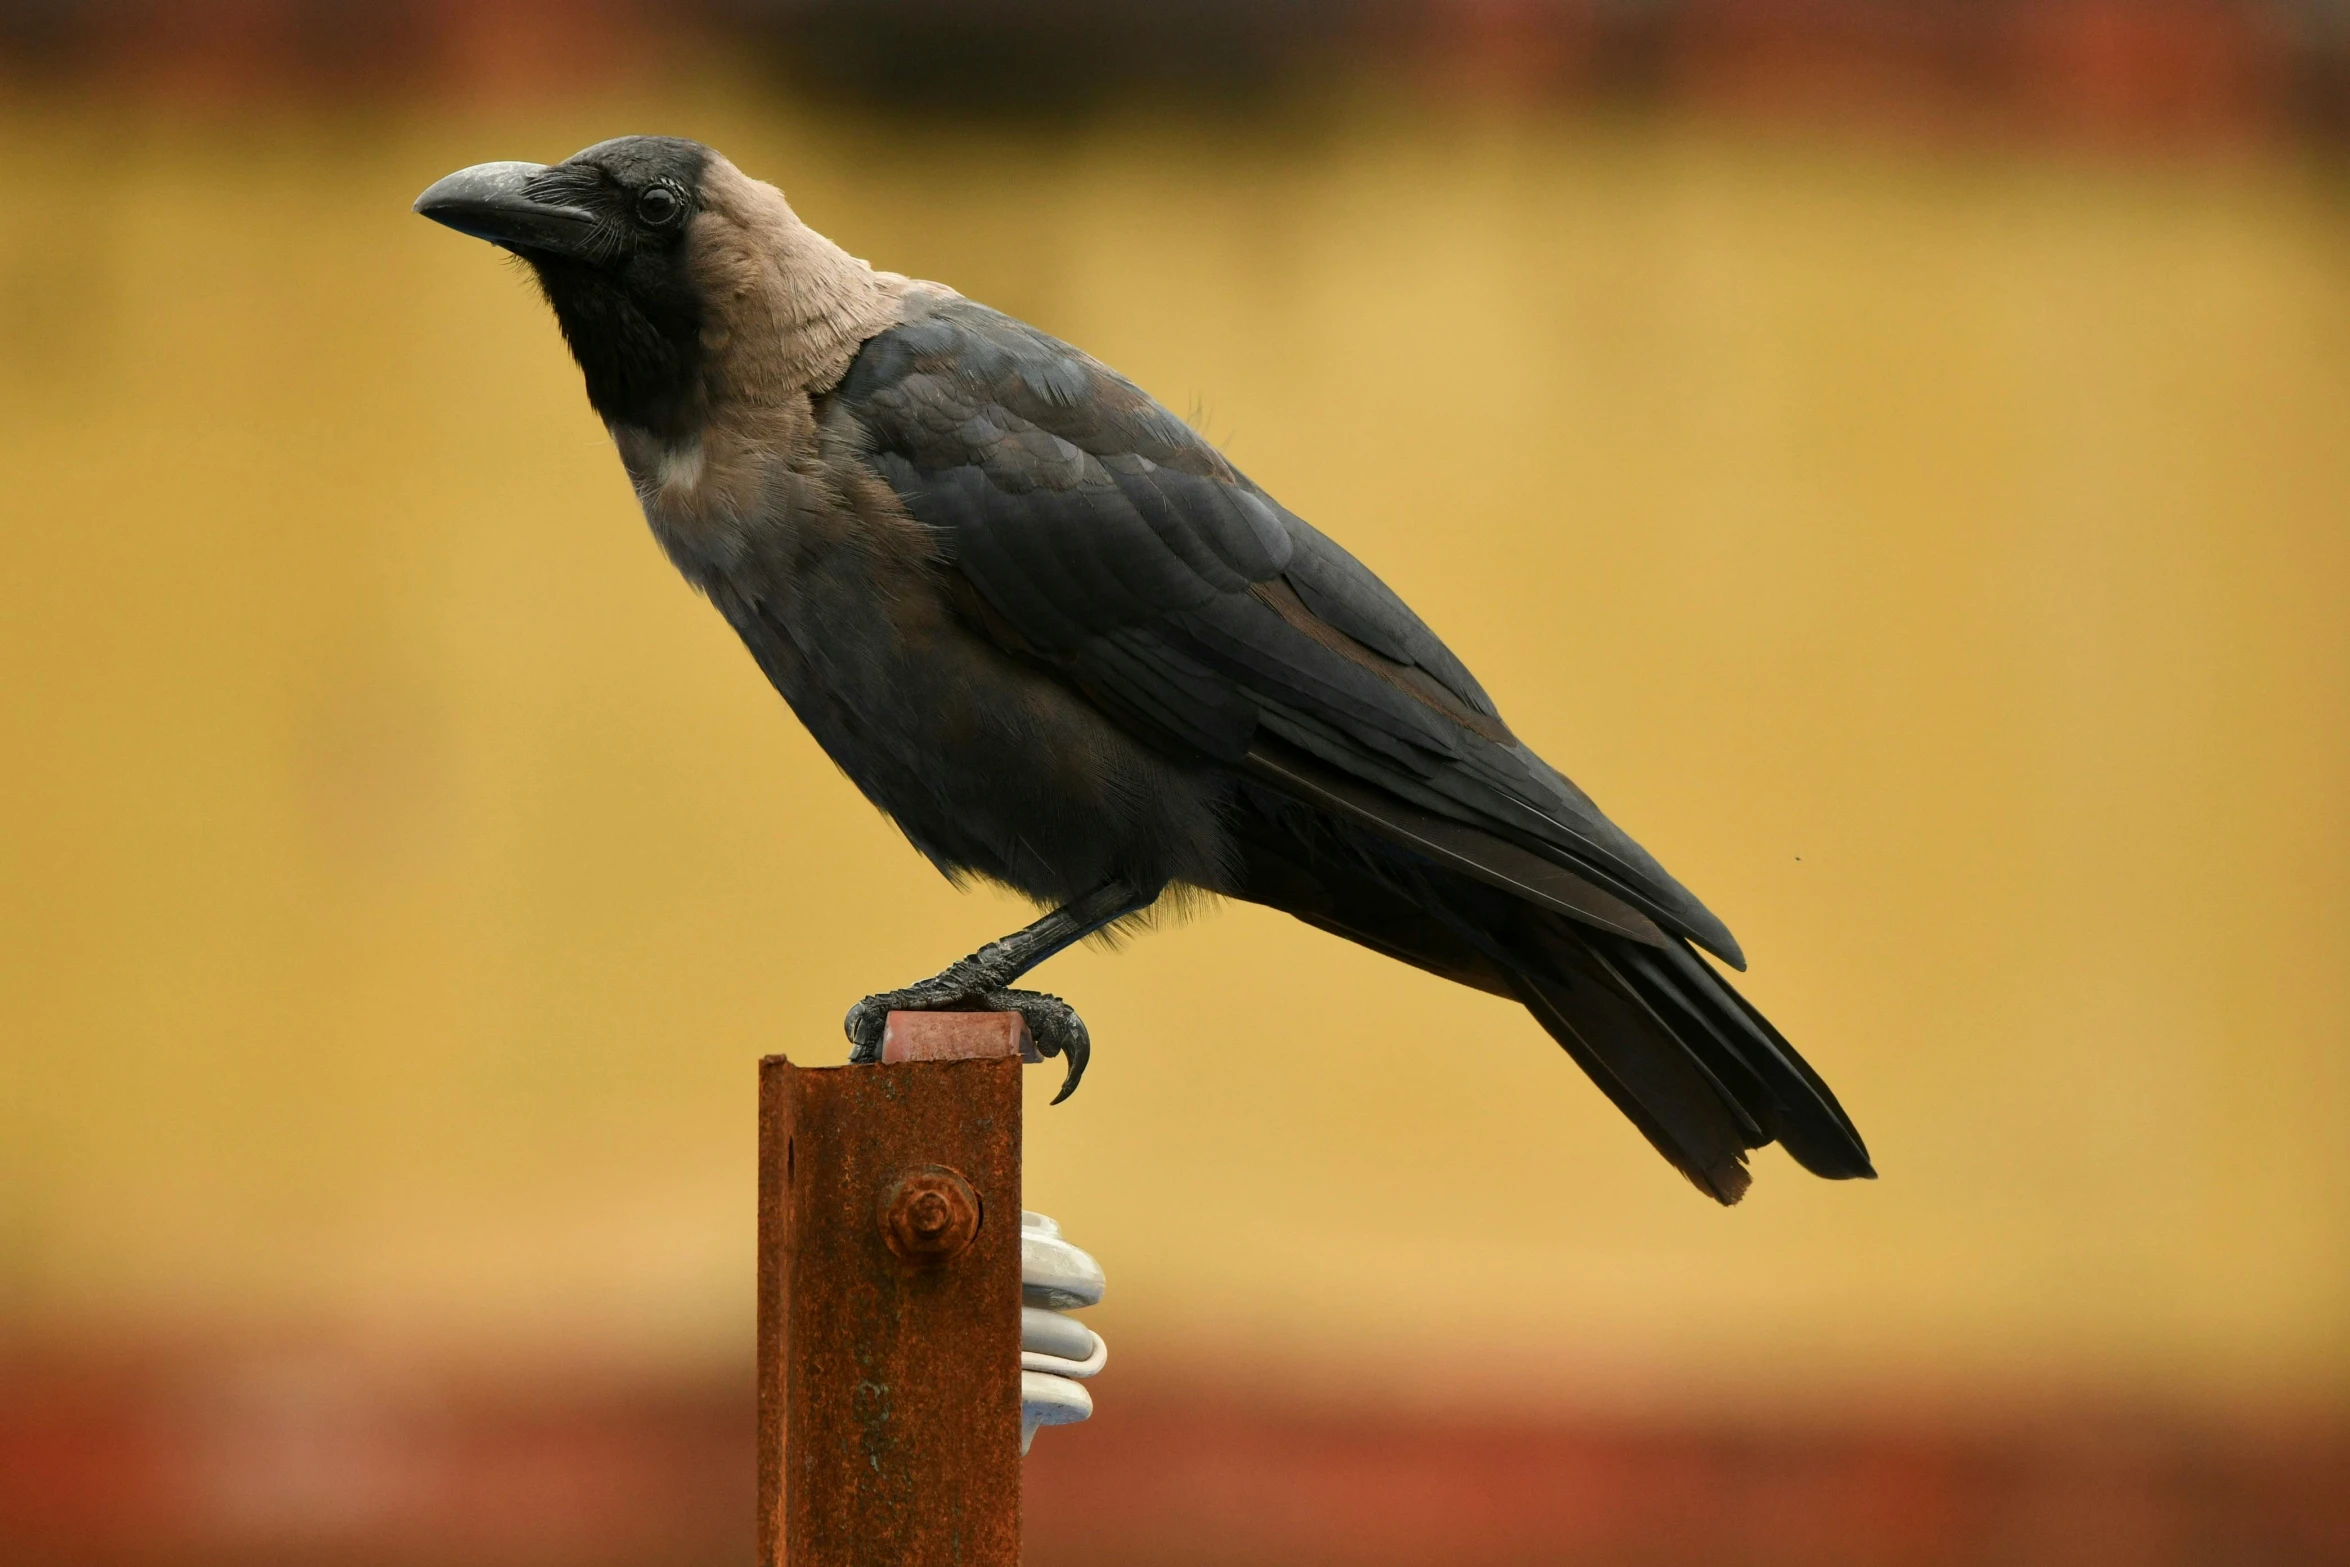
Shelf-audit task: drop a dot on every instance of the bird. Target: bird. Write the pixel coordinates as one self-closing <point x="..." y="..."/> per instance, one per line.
<point x="1068" y="648"/>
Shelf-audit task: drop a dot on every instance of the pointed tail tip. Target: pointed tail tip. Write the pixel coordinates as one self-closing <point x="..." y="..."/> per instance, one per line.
<point x="1843" y="1160"/>
<point x="1725" y="1182"/>
<point x="1728" y="1181"/>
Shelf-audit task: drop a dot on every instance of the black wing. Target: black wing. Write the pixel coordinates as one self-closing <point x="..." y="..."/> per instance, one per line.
<point x="1109" y="538"/>
<point x="1101" y="534"/>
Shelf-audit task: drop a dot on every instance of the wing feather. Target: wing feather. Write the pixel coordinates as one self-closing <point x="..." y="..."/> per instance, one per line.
<point x="1113" y="540"/>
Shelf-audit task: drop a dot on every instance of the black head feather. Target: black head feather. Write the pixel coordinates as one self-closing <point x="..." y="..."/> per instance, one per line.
<point x="624" y="293"/>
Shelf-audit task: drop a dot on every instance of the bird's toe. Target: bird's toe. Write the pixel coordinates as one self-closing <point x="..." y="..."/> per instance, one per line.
<point x="1056" y="1028"/>
<point x="867" y="1021"/>
<point x="952" y="991"/>
<point x="1052" y="1022"/>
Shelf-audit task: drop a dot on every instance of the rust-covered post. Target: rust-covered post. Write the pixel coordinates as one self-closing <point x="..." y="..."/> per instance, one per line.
<point x="889" y="1302"/>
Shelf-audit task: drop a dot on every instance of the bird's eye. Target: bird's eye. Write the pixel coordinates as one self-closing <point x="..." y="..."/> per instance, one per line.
<point x="659" y="204"/>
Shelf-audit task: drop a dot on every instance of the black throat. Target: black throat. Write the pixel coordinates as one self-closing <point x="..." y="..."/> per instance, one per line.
<point x="626" y="297"/>
<point x="637" y="335"/>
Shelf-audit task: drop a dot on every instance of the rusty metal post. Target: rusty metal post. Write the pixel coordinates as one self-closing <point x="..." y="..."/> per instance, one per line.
<point x="889" y="1302"/>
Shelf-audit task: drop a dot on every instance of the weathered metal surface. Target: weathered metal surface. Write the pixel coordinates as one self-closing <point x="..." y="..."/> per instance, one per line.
<point x="955" y="1036"/>
<point x="889" y="1311"/>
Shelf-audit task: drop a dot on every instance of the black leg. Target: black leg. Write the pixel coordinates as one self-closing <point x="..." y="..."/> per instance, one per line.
<point x="979" y="982"/>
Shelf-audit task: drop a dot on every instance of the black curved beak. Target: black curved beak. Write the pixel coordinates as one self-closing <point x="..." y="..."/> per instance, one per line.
<point x="492" y="201"/>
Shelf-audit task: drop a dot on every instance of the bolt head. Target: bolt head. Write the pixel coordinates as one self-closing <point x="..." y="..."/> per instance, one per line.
<point x="929" y="1214"/>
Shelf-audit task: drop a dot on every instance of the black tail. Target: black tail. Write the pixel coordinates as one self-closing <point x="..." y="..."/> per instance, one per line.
<point x="1702" y="1074"/>
<point x="1696" y="1068"/>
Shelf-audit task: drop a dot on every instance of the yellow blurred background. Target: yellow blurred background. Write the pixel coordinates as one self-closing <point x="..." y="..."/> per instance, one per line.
<point x="1932" y="547"/>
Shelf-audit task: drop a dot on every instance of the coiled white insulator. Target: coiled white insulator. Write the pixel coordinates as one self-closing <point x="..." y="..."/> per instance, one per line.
<point x="1055" y="1352"/>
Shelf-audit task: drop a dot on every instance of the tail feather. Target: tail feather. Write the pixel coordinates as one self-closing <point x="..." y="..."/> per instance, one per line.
<point x="1692" y="1064"/>
<point x="1667" y="1093"/>
<point x="1709" y="1018"/>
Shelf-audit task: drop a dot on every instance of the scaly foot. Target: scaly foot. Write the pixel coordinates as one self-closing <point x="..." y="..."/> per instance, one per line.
<point x="1052" y="1022"/>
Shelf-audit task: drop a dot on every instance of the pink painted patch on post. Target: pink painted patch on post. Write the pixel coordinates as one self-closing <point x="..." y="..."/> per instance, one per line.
<point x="956" y="1036"/>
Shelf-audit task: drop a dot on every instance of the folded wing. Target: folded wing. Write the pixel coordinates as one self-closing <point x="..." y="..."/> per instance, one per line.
<point x="1381" y="796"/>
<point x="1107" y="537"/>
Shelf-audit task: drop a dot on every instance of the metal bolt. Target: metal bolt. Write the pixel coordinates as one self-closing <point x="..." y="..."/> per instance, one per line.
<point x="929" y="1214"/>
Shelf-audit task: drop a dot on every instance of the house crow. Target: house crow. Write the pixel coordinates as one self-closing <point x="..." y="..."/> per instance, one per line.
<point x="1067" y="647"/>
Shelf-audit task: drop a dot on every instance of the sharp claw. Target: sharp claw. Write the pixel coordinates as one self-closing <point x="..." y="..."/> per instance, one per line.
<point x="1075" y="1052"/>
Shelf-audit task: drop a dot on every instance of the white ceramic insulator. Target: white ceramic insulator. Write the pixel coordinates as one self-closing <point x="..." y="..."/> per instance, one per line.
<point x="1051" y="1342"/>
<point x="1054" y="1351"/>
